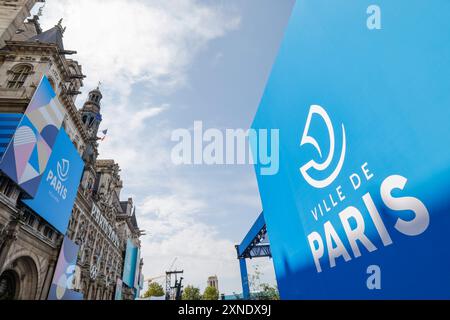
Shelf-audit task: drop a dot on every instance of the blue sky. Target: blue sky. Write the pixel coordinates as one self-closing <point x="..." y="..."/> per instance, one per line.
<point x="163" y="65"/>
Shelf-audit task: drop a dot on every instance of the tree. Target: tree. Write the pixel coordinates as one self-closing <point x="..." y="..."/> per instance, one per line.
<point x="191" y="293"/>
<point x="254" y="281"/>
<point x="268" y="292"/>
<point x="261" y="291"/>
<point x="211" y="293"/>
<point x="154" y="290"/>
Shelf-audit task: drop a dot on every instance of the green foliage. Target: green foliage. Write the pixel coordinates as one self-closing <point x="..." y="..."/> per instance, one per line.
<point x="211" y="293"/>
<point x="254" y="279"/>
<point x="154" y="290"/>
<point x="268" y="292"/>
<point x="261" y="291"/>
<point x="191" y="293"/>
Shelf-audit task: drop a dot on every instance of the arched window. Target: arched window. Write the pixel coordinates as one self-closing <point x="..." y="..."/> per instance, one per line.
<point x="18" y="76"/>
<point x="90" y="184"/>
<point x="91" y="121"/>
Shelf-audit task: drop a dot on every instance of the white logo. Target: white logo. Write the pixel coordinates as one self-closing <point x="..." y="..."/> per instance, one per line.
<point x="306" y="139"/>
<point x="63" y="169"/>
<point x="65" y="282"/>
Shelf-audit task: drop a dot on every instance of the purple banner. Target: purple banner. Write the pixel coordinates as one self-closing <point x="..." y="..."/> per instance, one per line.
<point x="62" y="284"/>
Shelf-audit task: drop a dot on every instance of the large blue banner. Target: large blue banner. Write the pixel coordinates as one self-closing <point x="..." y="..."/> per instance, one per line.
<point x="58" y="188"/>
<point x="360" y="206"/>
<point x="62" y="284"/>
<point x="26" y="157"/>
<point x="129" y="268"/>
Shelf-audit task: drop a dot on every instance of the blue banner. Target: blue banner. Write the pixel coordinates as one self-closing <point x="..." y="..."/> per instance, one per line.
<point x="359" y="208"/>
<point x="58" y="188"/>
<point x="129" y="268"/>
<point x="137" y="274"/>
<point x="8" y="125"/>
<point x="26" y="156"/>
<point x="62" y="284"/>
<point x="118" y="292"/>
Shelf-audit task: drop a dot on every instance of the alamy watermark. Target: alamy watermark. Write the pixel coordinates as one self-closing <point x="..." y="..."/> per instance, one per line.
<point x="374" y="17"/>
<point x="227" y="147"/>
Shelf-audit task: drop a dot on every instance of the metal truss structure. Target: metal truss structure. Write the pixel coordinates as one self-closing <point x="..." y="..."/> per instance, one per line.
<point x="173" y="292"/>
<point x="255" y="245"/>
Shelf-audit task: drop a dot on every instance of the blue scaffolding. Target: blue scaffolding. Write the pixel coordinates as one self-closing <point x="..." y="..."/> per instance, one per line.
<point x="255" y="245"/>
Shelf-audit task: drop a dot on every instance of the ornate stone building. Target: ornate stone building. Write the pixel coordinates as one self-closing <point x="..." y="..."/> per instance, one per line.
<point x="12" y="15"/>
<point x="101" y="223"/>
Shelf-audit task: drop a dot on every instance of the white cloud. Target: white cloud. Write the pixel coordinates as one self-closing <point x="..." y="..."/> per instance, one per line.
<point x="136" y="46"/>
<point x="122" y="42"/>
<point x="146" y="48"/>
<point x="139" y="117"/>
<point x="175" y="232"/>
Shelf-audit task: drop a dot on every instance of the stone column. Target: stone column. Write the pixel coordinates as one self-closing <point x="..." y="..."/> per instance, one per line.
<point x="48" y="279"/>
<point x="7" y="237"/>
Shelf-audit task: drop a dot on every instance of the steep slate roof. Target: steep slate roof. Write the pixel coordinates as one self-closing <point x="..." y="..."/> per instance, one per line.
<point x="53" y="35"/>
<point x="134" y="220"/>
<point x="124" y="205"/>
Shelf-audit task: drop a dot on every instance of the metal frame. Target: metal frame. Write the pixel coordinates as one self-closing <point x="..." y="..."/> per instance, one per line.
<point x="254" y="245"/>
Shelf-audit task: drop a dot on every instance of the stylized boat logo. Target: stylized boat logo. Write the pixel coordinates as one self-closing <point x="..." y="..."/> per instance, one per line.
<point x="63" y="169"/>
<point x="307" y="139"/>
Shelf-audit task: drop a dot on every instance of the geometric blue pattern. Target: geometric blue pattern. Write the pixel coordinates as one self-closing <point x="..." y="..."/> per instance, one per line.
<point x="8" y="125"/>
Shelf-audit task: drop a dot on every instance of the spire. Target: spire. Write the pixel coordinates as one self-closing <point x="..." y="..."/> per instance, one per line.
<point x="41" y="9"/>
<point x="59" y="25"/>
<point x="90" y="112"/>
<point x="95" y="96"/>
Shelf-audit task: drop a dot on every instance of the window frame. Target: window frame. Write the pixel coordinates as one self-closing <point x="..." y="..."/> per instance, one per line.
<point x="18" y="75"/>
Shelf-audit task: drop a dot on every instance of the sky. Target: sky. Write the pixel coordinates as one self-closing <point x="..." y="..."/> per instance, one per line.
<point x="164" y="64"/>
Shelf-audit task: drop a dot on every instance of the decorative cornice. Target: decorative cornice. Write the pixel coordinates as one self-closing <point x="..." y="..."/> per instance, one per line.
<point x="54" y="51"/>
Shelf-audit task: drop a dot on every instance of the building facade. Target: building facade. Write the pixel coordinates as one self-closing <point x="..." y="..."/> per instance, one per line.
<point x="12" y="15"/>
<point x="101" y="224"/>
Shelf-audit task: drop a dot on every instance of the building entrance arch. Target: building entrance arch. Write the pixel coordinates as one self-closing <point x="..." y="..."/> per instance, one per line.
<point x="9" y="285"/>
<point x="20" y="280"/>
